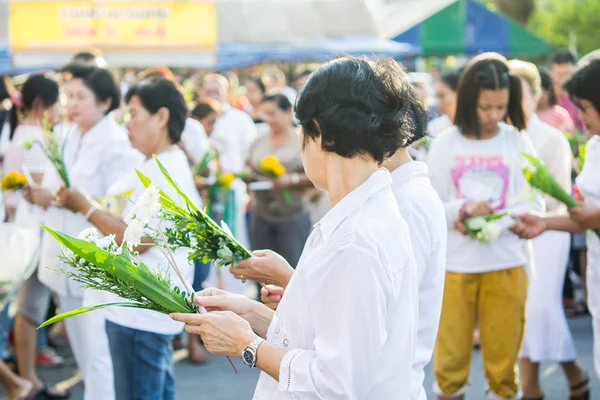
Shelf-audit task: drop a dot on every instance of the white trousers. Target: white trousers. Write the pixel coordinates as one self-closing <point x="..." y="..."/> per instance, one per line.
<point x="547" y="335"/>
<point x="89" y="342"/>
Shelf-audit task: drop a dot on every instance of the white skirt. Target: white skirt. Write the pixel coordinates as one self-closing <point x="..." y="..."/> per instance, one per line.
<point x="547" y="335"/>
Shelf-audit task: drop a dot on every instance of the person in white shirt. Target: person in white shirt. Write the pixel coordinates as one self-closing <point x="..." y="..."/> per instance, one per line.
<point x="423" y="211"/>
<point x="96" y="154"/>
<point x="38" y="98"/>
<point x="326" y="340"/>
<point x="547" y="335"/>
<point x="445" y="93"/>
<point x="140" y="340"/>
<point x="475" y="167"/>
<point x="584" y="90"/>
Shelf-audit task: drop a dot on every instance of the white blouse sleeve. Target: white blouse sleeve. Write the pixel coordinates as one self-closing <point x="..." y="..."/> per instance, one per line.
<point x="350" y="330"/>
<point x="438" y="161"/>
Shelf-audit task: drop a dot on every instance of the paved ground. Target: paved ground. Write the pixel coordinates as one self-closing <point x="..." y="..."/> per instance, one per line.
<point x="217" y="381"/>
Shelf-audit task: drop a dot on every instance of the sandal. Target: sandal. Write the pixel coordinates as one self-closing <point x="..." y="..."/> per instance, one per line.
<point x="47" y="392"/>
<point x="583" y="384"/>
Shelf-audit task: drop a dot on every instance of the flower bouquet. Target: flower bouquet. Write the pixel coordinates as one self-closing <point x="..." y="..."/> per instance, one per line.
<point x="272" y="168"/>
<point x="539" y="177"/>
<point x="13" y="181"/>
<point x="487" y="229"/>
<point x="102" y="264"/>
<point x="53" y="149"/>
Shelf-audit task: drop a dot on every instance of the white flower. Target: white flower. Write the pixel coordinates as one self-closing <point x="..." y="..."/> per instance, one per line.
<point x="147" y="206"/>
<point x="475" y="223"/>
<point x="490" y="232"/>
<point x="106" y="242"/>
<point x="134" y="233"/>
<point x="89" y="235"/>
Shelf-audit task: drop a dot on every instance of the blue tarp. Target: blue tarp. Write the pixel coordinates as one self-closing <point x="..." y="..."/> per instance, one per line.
<point x="230" y="55"/>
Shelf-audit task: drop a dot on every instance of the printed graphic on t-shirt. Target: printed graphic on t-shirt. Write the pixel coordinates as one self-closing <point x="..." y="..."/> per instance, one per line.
<point x="477" y="178"/>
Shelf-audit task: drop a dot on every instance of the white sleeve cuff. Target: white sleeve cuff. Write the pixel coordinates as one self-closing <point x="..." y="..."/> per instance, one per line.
<point x="285" y="369"/>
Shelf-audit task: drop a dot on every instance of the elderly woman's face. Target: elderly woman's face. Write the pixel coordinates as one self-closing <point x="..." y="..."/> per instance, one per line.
<point x="144" y="128"/>
<point x="314" y="160"/>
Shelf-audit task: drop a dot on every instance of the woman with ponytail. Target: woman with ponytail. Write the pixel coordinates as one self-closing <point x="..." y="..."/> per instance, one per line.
<point x="475" y="168"/>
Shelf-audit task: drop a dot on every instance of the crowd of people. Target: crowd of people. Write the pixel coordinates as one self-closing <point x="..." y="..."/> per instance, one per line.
<point x="353" y="197"/>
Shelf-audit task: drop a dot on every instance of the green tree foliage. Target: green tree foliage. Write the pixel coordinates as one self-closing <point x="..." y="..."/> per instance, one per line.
<point x="564" y="22"/>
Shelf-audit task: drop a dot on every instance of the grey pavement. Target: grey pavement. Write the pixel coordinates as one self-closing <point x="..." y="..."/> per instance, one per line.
<point x="217" y="380"/>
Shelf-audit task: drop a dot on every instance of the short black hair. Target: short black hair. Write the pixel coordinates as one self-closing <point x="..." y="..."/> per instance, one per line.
<point x="203" y="110"/>
<point x="548" y="86"/>
<point x="487" y="72"/>
<point x="258" y="82"/>
<point x="280" y="100"/>
<point x="358" y="106"/>
<point x="585" y="85"/>
<point x="99" y="80"/>
<point x="37" y="88"/>
<point x="564" y="56"/>
<point x="451" y="79"/>
<point x="156" y="93"/>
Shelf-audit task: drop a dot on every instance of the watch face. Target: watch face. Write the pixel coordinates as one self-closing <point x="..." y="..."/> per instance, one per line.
<point x="248" y="357"/>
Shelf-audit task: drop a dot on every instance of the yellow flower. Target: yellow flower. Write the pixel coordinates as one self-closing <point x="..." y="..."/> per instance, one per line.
<point x="225" y="180"/>
<point x="269" y="163"/>
<point x="13" y="181"/>
<point x="527" y="174"/>
<point x="279" y="170"/>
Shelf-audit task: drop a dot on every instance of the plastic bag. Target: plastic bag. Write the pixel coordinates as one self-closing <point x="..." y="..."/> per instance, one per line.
<point x="19" y="250"/>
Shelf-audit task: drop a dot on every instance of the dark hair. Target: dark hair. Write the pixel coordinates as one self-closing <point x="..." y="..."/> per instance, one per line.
<point x="585" y="85"/>
<point x="3" y="89"/>
<point x="548" y="86"/>
<point x="91" y="58"/>
<point x="99" y="80"/>
<point x="451" y="79"/>
<point x="203" y="110"/>
<point x="156" y="93"/>
<point x="563" y="56"/>
<point x="258" y="82"/>
<point x="282" y="102"/>
<point x="37" y="89"/>
<point x="487" y="72"/>
<point x="358" y="106"/>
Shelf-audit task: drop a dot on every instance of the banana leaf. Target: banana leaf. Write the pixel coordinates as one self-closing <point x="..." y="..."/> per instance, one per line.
<point x="194" y="212"/>
<point x="84" y="310"/>
<point x="139" y="277"/>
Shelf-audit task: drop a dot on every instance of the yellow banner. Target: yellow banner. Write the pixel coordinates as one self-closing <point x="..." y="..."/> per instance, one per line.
<point x="50" y="26"/>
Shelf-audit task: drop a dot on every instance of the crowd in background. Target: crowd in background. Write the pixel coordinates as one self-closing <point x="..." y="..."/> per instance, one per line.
<point x="119" y="123"/>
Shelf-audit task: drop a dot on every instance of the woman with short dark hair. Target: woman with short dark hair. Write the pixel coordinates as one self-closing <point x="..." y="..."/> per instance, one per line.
<point x="475" y="167"/>
<point x="325" y="341"/>
<point x="140" y="340"/>
<point x="584" y="91"/>
<point x="96" y="154"/>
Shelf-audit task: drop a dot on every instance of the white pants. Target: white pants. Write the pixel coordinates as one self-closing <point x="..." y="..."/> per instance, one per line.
<point x="547" y="335"/>
<point x="87" y="336"/>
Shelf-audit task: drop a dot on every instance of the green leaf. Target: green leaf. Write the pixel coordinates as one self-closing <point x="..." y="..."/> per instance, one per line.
<point x="140" y="278"/>
<point x="84" y="310"/>
<point x="167" y="176"/>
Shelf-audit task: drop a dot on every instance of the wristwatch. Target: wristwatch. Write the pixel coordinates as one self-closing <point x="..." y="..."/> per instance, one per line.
<point x="249" y="353"/>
